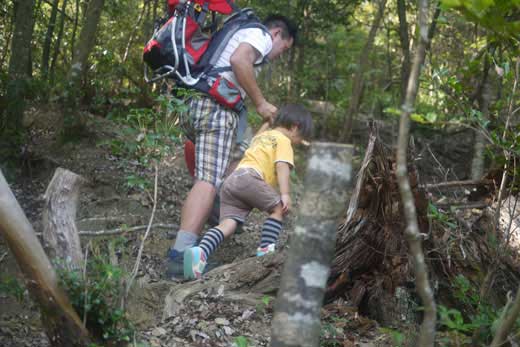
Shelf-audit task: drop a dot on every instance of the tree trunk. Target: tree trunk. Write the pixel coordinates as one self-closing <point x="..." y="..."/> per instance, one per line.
<point x="477" y="163"/>
<point x="48" y="40"/>
<point x="148" y="21"/>
<point x="8" y="35"/>
<point x="306" y="271"/>
<point x="132" y="34"/>
<point x="74" y="31"/>
<point x="78" y="68"/>
<point x="60" y="234"/>
<point x="62" y="325"/>
<point x="87" y="38"/>
<point x="405" y="46"/>
<point x="357" y="85"/>
<point x="58" y="41"/>
<point x="300" y="51"/>
<point x="11" y="129"/>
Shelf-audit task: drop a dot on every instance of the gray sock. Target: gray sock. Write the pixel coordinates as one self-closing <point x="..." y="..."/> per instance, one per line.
<point x="185" y="239"/>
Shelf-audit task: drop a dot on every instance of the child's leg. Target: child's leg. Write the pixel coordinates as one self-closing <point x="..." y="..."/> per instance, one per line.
<point x="214" y="236"/>
<point x="272" y="228"/>
<point x="195" y="258"/>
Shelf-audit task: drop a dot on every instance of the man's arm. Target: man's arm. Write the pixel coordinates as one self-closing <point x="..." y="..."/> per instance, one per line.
<point x="283" y="171"/>
<point x="242" y="63"/>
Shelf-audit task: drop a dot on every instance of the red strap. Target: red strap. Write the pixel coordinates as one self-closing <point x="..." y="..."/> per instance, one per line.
<point x="189" y="156"/>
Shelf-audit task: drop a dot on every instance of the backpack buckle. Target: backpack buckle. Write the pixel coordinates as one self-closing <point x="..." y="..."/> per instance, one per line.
<point x="197" y="7"/>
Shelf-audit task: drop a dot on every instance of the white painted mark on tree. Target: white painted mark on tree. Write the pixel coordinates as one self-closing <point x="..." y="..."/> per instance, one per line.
<point x="314" y="274"/>
<point x="304" y="318"/>
<point x="300" y="301"/>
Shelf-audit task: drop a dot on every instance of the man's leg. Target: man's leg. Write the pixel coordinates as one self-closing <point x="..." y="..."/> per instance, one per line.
<point x="197" y="206"/>
<point x="215" y="127"/>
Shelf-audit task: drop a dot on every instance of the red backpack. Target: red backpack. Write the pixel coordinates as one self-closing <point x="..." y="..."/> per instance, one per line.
<point x="182" y="49"/>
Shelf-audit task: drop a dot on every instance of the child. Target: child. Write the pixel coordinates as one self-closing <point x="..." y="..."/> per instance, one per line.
<point x="266" y="165"/>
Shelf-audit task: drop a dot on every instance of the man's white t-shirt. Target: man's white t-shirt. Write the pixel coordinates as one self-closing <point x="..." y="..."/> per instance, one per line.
<point x="257" y="38"/>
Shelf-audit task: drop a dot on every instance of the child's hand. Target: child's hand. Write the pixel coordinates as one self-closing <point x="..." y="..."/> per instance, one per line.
<point x="286" y="203"/>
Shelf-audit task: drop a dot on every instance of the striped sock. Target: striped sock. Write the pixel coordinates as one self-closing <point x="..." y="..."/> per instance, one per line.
<point x="270" y="231"/>
<point x="211" y="240"/>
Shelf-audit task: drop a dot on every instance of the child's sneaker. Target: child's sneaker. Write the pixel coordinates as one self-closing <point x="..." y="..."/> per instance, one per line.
<point x="194" y="263"/>
<point x="261" y="251"/>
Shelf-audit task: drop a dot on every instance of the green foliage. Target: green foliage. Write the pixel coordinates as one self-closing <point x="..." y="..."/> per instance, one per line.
<point x="96" y="296"/>
<point x="442" y="218"/>
<point x="147" y="135"/>
<point x="499" y="16"/>
<point x="10" y="286"/>
<point x="264" y="304"/>
<point x="398" y="338"/>
<point x="480" y="314"/>
<point x="241" y="341"/>
<point x="329" y="334"/>
<point x="452" y="319"/>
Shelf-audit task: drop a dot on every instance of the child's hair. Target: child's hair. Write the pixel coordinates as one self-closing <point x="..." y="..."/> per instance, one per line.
<point x="295" y="114"/>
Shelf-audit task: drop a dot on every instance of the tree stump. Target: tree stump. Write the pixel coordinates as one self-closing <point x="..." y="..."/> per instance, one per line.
<point x="60" y="234"/>
<point x="371" y="259"/>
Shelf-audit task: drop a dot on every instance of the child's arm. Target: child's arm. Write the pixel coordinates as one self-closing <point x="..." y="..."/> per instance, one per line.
<point x="263" y="128"/>
<point x="283" y="171"/>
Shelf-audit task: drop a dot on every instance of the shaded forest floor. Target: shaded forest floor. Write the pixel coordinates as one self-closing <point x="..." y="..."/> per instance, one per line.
<point x="108" y="202"/>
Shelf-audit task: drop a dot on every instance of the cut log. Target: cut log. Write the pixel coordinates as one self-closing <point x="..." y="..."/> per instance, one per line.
<point x="60" y="234"/>
<point x="62" y="325"/>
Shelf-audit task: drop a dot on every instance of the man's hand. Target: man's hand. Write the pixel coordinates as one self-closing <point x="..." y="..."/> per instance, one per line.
<point x="286" y="203"/>
<point x="268" y="111"/>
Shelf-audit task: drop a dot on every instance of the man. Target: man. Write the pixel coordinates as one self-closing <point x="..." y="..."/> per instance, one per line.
<point x="214" y="126"/>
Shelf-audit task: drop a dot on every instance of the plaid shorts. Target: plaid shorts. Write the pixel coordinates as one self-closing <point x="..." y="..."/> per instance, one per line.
<point x="212" y="128"/>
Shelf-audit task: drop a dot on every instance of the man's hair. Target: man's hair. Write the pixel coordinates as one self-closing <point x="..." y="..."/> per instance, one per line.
<point x="295" y="114"/>
<point x="289" y="30"/>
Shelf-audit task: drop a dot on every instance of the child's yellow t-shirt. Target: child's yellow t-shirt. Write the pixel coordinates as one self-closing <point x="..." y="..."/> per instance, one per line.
<point x="265" y="151"/>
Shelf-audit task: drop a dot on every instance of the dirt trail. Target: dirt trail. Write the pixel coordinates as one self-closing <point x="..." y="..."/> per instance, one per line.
<point x="107" y="203"/>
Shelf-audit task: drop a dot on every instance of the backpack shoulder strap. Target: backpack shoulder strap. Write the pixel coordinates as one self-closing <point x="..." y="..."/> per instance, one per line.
<point x="221" y="42"/>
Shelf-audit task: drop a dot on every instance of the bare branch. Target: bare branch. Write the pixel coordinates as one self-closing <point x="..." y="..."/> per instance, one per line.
<point x="118" y="231"/>
<point x="140" y="252"/>
<point x="427" y="331"/>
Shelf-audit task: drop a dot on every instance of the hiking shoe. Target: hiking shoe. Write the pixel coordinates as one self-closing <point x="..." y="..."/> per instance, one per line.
<point x="174" y="265"/>
<point x="261" y="251"/>
<point x="194" y="263"/>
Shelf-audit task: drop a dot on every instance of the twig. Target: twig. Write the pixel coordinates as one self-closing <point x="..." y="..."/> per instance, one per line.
<point x="462" y="206"/>
<point x="3" y="256"/>
<point x="442" y="169"/>
<point x="117" y="231"/>
<point x="451" y="184"/>
<point x="122" y="230"/>
<point x="86" y="286"/>
<point x="105" y="218"/>
<point x="140" y="252"/>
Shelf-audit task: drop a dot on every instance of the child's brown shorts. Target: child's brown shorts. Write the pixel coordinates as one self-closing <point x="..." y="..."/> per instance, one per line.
<point x="244" y="190"/>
